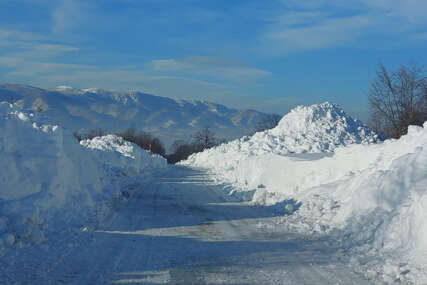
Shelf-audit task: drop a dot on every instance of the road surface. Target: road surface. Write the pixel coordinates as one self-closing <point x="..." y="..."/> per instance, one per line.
<point x="180" y="228"/>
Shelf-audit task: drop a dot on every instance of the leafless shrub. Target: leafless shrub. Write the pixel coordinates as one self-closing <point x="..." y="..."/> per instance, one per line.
<point x="398" y="99"/>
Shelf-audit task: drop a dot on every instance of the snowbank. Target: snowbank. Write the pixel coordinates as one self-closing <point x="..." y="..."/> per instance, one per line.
<point x="116" y="152"/>
<point x="268" y="157"/>
<point x="48" y="181"/>
<point x="312" y="129"/>
<point x="370" y="198"/>
<point x="378" y="211"/>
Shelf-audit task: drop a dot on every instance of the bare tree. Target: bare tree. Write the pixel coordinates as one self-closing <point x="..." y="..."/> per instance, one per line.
<point x="398" y="99"/>
<point x="269" y="122"/>
<point x="205" y="138"/>
<point x="182" y="150"/>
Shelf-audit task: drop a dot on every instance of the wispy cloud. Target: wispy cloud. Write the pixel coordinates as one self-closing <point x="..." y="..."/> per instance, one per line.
<point x="67" y="14"/>
<point x="209" y="66"/>
<point x="30" y="58"/>
<point x="411" y="11"/>
<point x="306" y="31"/>
<point x="10" y="36"/>
<point x="309" y="25"/>
<point x="27" y="54"/>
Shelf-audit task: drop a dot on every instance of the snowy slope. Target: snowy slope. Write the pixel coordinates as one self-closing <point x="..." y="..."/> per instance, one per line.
<point x="377" y="208"/>
<point x="313" y="129"/>
<point x="116" y="152"/>
<point x="50" y="182"/>
<point x="169" y="119"/>
<point x="370" y="197"/>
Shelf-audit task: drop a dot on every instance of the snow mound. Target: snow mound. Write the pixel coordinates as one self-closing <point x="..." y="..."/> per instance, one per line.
<point x="369" y="198"/>
<point x="117" y="152"/>
<point x="377" y="210"/>
<point x="110" y="143"/>
<point x="314" y="129"/>
<point x="50" y="182"/>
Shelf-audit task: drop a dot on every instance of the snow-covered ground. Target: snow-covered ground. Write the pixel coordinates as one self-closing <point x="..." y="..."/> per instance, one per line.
<point x="49" y="182"/>
<point x="370" y="196"/>
<point x="329" y="203"/>
<point x="180" y="228"/>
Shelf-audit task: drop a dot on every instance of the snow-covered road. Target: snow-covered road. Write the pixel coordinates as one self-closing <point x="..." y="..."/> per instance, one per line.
<point x="180" y="228"/>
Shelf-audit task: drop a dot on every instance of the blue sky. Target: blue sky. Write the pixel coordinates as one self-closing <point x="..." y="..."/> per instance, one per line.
<point x="265" y="55"/>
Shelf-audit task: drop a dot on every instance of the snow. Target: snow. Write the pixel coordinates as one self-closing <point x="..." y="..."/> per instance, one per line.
<point x="64" y="88"/>
<point x="317" y="128"/>
<point x="110" y="143"/>
<point x="116" y="152"/>
<point x="45" y="171"/>
<point x="324" y="189"/>
<point x="369" y="196"/>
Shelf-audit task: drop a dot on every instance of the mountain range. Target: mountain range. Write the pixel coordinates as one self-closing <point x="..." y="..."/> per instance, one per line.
<point x="168" y="119"/>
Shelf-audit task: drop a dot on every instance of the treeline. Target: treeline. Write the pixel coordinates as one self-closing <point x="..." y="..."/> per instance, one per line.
<point x="181" y="150"/>
<point x="201" y="140"/>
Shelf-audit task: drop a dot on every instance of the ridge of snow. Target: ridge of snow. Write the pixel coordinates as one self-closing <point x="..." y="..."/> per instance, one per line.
<point x="49" y="182"/>
<point x="314" y="129"/>
<point x="64" y="88"/>
<point x="92" y="90"/>
<point x="110" y="143"/>
<point x="370" y="198"/>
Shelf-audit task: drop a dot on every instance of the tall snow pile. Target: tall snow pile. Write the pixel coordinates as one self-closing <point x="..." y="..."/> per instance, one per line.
<point x="369" y="198"/>
<point x="48" y="181"/>
<point x="315" y="130"/>
<point x="377" y="208"/>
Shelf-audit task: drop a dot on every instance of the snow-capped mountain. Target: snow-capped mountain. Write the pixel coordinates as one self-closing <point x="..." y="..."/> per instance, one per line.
<point x="167" y="118"/>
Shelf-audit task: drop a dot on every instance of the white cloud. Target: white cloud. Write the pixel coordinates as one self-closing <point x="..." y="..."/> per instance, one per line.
<point x="308" y="25"/>
<point x="305" y="31"/>
<point x="27" y="54"/>
<point x="211" y="67"/>
<point x="8" y="37"/>
<point x="66" y="15"/>
<point x="413" y="11"/>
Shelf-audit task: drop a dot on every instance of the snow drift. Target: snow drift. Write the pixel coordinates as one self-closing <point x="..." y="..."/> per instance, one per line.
<point x="48" y="181"/>
<point x="370" y="197"/>
<point x="313" y="129"/>
<point x="269" y="156"/>
<point x="116" y="152"/>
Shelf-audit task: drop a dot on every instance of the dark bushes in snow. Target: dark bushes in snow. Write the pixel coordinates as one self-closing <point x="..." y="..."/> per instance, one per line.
<point x="202" y="140"/>
<point x="144" y="140"/>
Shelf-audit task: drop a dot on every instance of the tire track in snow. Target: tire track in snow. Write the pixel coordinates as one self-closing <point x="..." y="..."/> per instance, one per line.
<point x="182" y="229"/>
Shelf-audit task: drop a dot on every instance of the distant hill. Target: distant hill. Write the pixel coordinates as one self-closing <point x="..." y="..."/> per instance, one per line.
<point x="169" y="119"/>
